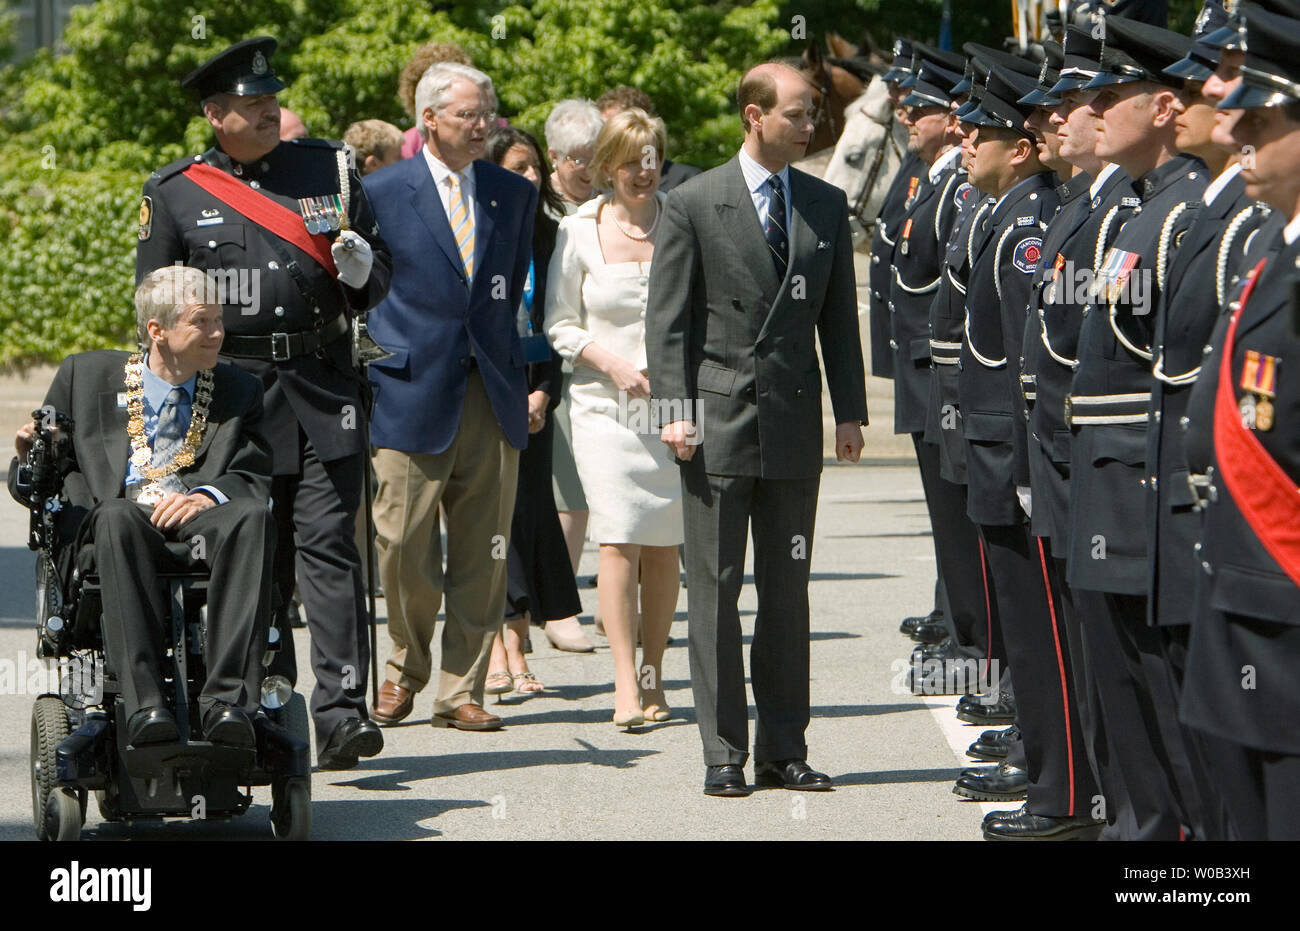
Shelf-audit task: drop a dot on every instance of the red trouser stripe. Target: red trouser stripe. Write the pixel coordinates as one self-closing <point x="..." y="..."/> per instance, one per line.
<point x="1060" y="667"/>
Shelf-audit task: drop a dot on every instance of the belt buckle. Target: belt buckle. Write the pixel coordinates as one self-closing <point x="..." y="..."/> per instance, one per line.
<point x="275" y="353"/>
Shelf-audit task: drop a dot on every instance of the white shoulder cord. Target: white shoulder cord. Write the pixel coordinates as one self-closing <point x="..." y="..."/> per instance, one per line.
<point x="345" y="188"/>
<point x="1225" y="252"/>
<point x="1166" y="239"/>
<point x="926" y="290"/>
<point x="943" y="199"/>
<point x="970" y="234"/>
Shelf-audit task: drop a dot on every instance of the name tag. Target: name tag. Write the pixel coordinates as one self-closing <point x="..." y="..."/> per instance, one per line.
<point x="121" y="399"/>
<point x="212" y="222"/>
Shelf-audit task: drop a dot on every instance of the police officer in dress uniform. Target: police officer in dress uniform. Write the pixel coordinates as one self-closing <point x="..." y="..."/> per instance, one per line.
<point x="288" y="227"/>
<point x="1107" y="413"/>
<point x="1244" y="436"/>
<point x="1048" y="344"/>
<point x="1209" y="262"/>
<point x="1005" y="165"/>
<point x="1060" y="794"/>
<point x="916" y="274"/>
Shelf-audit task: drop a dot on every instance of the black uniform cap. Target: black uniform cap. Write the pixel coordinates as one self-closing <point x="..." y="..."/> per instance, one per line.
<point x="902" y="63"/>
<point x="1000" y="105"/>
<point x="1204" y="57"/>
<point x="1050" y="73"/>
<point x="1270" y="75"/>
<point x="243" y="69"/>
<point x="1133" y="52"/>
<point x="1082" y="60"/>
<point x="933" y="87"/>
<point x="983" y="57"/>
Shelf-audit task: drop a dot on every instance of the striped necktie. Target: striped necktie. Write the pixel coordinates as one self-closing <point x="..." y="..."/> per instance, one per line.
<point x="774" y="229"/>
<point x="462" y="224"/>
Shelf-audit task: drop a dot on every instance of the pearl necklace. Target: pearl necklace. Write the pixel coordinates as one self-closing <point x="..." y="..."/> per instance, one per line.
<point x="648" y="233"/>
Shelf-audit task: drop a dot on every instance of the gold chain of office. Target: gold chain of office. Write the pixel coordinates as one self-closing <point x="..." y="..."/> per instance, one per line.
<point x="141" y="454"/>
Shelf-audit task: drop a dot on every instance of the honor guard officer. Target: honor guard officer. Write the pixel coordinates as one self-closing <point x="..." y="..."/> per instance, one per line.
<point x="1004" y="165"/>
<point x="288" y="228"/>
<point x="1245" y="435"/>
<point x="1049" y="343"/>
<point x="1107" y="411"/>
<point x="888" y="221"/>
<point x="927" y="228"/>
<point x="1200" y="278"/>
<point x="1062" y="789"/>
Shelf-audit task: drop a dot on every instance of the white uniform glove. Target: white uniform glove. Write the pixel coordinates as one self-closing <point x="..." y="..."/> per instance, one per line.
<point x="1026" y="499"/>
<point x="353" y="258"/>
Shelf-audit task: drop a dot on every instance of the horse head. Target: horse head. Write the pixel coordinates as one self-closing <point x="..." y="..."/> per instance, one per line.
<point x="867" y="156"/>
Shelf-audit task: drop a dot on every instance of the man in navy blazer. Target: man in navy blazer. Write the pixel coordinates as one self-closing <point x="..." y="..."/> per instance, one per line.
<point x="451" y="403"/>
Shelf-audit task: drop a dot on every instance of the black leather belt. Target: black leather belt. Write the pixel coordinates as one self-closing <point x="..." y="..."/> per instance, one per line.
<point x="280" y="347"/>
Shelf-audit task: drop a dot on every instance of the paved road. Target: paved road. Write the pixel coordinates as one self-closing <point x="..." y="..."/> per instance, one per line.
<point x="560" y="769"/>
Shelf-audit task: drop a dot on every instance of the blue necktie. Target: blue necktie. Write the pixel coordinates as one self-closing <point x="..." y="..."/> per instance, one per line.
<point x="169" y="437"/>
<point x="774" y="230"/>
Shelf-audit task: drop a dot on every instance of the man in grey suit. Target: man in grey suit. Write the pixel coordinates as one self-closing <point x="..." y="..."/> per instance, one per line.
<point x="750" y="258"/>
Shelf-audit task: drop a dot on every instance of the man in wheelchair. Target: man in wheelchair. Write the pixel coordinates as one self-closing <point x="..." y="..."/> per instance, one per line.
<point x="166" y="448"/>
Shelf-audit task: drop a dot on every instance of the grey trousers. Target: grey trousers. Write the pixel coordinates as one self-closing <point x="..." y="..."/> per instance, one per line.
<point x="719" y="511"/>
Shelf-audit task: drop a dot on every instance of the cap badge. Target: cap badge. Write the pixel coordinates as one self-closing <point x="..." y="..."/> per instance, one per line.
<point x="259" y="63"/>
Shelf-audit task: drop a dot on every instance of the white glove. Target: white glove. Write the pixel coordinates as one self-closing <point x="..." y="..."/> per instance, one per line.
<point x="353" y="258"/>
<point x="1026" y="499"/>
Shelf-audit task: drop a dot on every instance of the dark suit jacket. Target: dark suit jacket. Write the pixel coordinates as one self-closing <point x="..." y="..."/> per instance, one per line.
<point x="726" y="334"/>
<point x="430" y="317"/>
<point x="233" y="457"/>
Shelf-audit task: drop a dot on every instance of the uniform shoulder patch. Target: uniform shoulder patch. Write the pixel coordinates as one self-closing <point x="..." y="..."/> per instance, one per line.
<point x="146" y="218"/>
<point x="962" y="193"/>
<point x="1028" y="253"/>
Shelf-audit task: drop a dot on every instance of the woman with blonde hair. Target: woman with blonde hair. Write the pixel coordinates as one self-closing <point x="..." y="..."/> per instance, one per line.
<point x="595" y="317"/>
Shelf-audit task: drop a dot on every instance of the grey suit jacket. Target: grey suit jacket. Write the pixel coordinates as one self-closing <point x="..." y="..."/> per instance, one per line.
<point x="730" y="345"/>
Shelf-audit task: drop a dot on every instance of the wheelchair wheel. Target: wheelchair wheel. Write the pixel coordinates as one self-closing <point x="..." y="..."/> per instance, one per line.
<point x="106" y="800"/>
<point x="53" y="811"/>
<point x="297" y="720"/>
<point x="291" y="810"/>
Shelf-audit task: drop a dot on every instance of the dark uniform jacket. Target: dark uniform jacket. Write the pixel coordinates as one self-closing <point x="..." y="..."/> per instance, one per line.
<point x="918" y="256"/>
<point x="725" y="332"/>
<point x="1051" y="340"/>
<point x="1210" y="260"/>
<point x="181" y="222"/>
<point x="947" y="319"/>
<point x="1111" y="390"/>
<point x="888" y="223"/>
<point x="1248" y="620"/>
<point x="997" y="300"/>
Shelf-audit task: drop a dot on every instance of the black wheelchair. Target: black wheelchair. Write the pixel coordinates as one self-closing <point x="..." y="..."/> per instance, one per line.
<point x="78" y="741"/>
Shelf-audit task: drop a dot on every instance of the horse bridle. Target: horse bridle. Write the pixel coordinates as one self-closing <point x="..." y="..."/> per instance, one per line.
<point x="824" y="89"/>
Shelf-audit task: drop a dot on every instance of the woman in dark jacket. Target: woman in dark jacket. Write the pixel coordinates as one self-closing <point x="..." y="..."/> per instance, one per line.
<point x="540" y="586"/>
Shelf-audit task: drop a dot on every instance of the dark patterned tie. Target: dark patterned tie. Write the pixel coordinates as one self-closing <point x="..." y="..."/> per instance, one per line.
<point x="169" y="437"/>
<point x="774" y="230"/>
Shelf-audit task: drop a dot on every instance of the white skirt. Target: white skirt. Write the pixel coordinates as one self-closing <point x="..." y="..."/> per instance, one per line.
<point x="631" y="481"/>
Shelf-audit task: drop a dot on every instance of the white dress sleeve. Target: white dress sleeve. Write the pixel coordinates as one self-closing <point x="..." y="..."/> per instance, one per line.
<point x="565" y="319"/>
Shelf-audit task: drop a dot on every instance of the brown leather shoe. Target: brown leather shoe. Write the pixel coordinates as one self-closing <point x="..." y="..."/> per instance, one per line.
<point x="468" y="717"/>
<point x="394" y="704"/>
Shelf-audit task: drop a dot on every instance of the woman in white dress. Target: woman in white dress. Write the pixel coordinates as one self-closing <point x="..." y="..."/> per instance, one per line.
<point x="595" y="318"/>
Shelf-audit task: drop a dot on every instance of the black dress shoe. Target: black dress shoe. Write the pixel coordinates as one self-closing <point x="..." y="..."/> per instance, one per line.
<point x="223" y="724"/>
<point x="910" y="623"/>
<point x="726" y="781"/>
<point x="942" y="677"/>
<point x="993" y="745"/>
<point x="351" y="738"/>
<point x="972" y="710"/>
<point x="152" y="726"/>
<point x="944" y="649"/>
<point x="1001" y="783"/>
<point x="791" y="774"/>
<point x="1023" y="825"/>
<point x="929" y="632"/>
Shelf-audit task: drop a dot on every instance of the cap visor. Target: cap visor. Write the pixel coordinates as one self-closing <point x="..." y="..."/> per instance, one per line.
<point x="1189" y="69"/>
<point x="253" y="87"/>
<point x="909" y="80"/>
<point x="1251" y="96"/>
<point x="1226" y="37"/>
<point x="963" y="87"/>
<point x="1039" y="98"/>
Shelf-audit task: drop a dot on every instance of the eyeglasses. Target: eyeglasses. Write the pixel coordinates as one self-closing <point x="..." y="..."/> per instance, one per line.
<point x="474" y="116"/>
<point x="577" y="162"/>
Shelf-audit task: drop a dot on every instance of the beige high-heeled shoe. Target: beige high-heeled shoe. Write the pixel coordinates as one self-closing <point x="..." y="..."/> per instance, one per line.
<point x="632" y="719"/>
<point x="566" y="634"/>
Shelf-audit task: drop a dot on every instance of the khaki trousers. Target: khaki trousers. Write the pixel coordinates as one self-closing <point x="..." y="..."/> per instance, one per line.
<point x="474" y="480"/>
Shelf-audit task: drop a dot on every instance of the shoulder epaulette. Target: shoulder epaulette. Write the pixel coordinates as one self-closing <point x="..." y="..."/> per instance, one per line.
<point x="172" y="169"/>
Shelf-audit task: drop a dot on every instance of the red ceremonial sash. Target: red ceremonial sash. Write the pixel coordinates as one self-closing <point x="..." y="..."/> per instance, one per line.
<point x="264" y="212"/>
<point x="1266" y="496"/>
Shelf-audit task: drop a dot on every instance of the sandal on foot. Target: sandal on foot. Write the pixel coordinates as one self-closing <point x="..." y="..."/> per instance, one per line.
<point x="498" y="683"/>
<point x="528" y="679"/>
